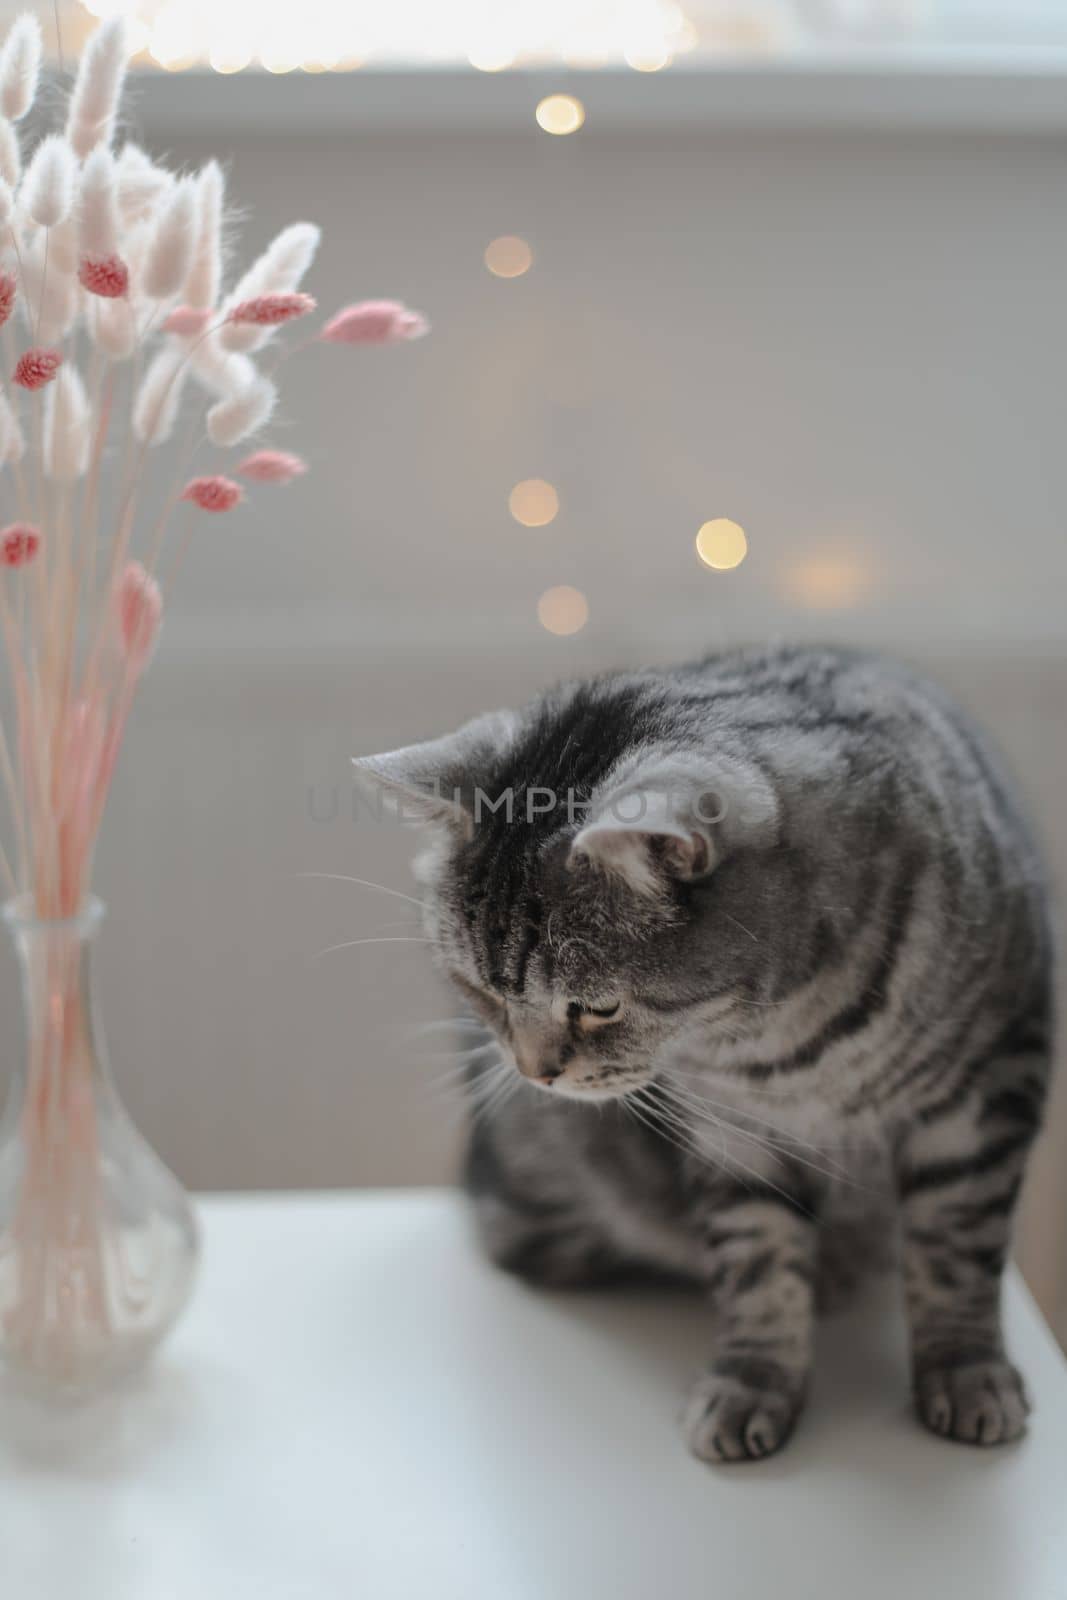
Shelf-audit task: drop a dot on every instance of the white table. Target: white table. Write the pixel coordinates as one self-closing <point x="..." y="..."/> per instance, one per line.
<point x="359" y="1408"/>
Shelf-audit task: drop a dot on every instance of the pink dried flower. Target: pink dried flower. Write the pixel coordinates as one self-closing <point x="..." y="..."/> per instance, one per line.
<point x="188" y="322"/>
<point x="374" y="322"/>
<point x="268" y="310"/>
<point x="107" y="276"/>
<point x="8" y="289"/>
<point x="213" y="494"/>
<point x="19" y="543"/>
<point x="139" y="611"/>
<point x="272" y="466"/>
<point x="37" y="367"/>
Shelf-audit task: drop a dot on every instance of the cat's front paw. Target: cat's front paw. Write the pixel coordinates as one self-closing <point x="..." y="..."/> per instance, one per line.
<point x="729" y="1419"/>
<point x="980" y="1402"/>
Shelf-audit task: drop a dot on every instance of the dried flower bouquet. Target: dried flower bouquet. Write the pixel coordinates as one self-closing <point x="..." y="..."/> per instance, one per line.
<point x="114" y="319"/>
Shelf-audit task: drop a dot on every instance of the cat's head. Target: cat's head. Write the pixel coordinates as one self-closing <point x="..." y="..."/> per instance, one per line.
<point x="588" y="882"/>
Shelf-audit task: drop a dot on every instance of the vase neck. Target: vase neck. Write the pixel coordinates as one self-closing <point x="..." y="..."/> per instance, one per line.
<point x="55" y="960"/>
<point x="29" y="930"/>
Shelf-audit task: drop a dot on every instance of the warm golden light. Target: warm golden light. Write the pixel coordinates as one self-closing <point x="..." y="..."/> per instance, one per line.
<point x="649" y="58"/>
<point x="491" y="35"/>
<point x="560" y="113"/>
<point x="563" y="610"/>
<point x="508" y="257"/>
<point x="173" y="41"/>
<point x="105" y="9"/>
<point x="491" y="58"/>
<point x="230" y="59"/>
<point x="828" y="582"/>
<point x="721" y="544"/>
<point x="533" y="502"/>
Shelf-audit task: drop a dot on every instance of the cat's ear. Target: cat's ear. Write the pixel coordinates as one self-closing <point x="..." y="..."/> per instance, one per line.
<point x="675" y="817"/>
<point x="433" y="782"/>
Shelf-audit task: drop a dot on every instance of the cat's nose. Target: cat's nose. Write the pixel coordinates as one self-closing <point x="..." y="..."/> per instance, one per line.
<point x="534" y="1064"/>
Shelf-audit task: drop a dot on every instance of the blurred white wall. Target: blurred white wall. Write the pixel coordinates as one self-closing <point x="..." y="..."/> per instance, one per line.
<point x="855" y="344"/>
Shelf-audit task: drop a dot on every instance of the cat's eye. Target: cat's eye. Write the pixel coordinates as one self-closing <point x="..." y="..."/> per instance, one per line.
<point x="596" y="1016"/>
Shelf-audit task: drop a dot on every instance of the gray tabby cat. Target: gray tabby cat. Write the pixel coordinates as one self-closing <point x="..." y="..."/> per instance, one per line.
<point x="767" y="944"/>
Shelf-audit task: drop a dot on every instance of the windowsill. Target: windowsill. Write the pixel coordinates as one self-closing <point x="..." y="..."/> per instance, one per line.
<point x="1023" y="92"/>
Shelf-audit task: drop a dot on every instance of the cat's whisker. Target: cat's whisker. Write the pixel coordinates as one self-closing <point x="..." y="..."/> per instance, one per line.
<point x="350" y="944"/>
<point x="667" y="1127"/>
<point x="739" y="924"/>
<point x="700" y="1101"/>
<point x="775" y="1147"/>
<point x="666" y="1112"/>
<point x="496" y="1092"/>
<point x="468" y="1082"/>
<point x="633" y="1106"/>
<point x="761" y="1005"/>
<point x="734" y="1160"/>
<point x="705" y="1109"/>
<point x="503" y="1093"/>
<point x="751" y="1092"/>
<point x="366" y="883"/>
<point x="465" y="1068"/>
<point x="450" y="1024"/>
<point x="683" y="1136"/>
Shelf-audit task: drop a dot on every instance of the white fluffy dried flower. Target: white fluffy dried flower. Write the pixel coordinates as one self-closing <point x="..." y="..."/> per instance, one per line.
<point x="10" y="155"/>
<point x="205" y="274"/>
<point x="277" y="271"/>
<point x="48" y="187"/>
<point x="49" y="301"/>
<point x="231" y="420"/>
<point x="112" y="327"/>
<point x="98" y="217"/>
<point x="20" y="66"/>
<point x="12" y="440"/>
<point x="94" y="100"/>
<point x="63" y="247"/>
<point x="141" y="184"/>
<point x="171" y="251"/>
<point x="219" y="371"/>
<point x="66" y="426"/>
<point x="155" y="406"/>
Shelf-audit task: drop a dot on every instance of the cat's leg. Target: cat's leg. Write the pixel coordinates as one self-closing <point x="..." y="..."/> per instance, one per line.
<point x="528" y="1227"/>
<point x="761" y="1260"/>
<point x="561" y="1252"/>
<point x="958" y="1179"/>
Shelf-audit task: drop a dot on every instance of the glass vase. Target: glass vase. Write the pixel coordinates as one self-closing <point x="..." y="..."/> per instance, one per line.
<point x="98" y="1241"/>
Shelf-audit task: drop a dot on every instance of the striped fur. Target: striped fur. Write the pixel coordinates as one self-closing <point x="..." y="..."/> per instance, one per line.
<point x="833" y="1007"/>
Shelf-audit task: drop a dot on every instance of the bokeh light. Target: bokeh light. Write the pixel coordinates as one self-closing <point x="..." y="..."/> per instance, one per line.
<point x="492" y="56"/>
<point x="174" y="42"/>
<point x="721" y="544"/>
<point x="489" y="35"/>
<point x="563" y="610"/>
<point x="533" y="502"/>
<point x="828" y="582"/>
<point x="648" y="57"/>
<point x="560" y="113"/>
<point x="508" y="257"/>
